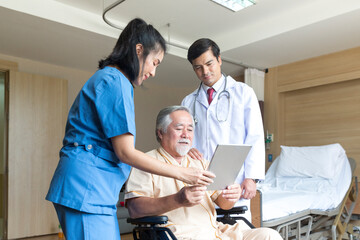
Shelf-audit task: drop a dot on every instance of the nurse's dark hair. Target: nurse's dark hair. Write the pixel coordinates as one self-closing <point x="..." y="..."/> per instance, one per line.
<point x="124" y="53"/>
<point x="200" y="46"/>
<point x="163" y="119"/>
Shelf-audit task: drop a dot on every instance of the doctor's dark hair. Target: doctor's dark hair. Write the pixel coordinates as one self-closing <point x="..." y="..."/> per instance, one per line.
<point x="124" y="53"/>
<point x="200" y="46"/>
<point x="163" y="119"/>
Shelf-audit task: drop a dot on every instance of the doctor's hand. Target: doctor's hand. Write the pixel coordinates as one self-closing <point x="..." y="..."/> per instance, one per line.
<point x="190" y="195"/>
<point x="195" y="154"/>
<point x="248" y="188"/>
<point x="195" y="176"/>
<point x="232" y="193"/>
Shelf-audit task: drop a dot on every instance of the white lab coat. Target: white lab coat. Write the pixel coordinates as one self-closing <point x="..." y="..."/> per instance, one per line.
<point x="243" y="126"/>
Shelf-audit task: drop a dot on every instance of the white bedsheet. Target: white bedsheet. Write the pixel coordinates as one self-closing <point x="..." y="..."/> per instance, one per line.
<point x="284" y="196"/>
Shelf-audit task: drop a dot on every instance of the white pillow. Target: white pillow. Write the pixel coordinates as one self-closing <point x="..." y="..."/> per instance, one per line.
<point x="314" y="161"/>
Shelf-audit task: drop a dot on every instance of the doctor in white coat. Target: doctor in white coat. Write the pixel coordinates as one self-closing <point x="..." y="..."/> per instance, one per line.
<point x="231" y="116"/>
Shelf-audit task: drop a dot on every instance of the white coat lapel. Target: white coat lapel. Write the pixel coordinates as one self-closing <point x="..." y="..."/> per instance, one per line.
<point x="202" y="98"/>
<point x="230" y="83"/>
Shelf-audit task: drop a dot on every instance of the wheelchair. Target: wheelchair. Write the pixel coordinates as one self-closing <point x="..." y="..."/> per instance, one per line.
<point x="147" y="228"/>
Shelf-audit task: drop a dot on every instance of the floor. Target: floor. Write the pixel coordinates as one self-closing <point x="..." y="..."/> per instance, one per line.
<point x="55" y="237"/>
<point x="129" y="236"/>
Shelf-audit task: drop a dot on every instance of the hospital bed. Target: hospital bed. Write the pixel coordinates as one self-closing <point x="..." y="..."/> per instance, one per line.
<point x="309" y="193"/>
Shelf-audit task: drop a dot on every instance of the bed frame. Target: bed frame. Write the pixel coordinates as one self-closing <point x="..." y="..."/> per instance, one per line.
<point x="315" y="224"/>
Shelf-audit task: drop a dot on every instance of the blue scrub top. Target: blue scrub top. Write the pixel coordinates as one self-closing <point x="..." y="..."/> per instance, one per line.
<point x="89" y="176"/>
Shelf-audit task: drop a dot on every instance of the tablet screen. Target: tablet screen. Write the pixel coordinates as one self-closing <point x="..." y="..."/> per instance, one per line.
<point x="226" y="164"/>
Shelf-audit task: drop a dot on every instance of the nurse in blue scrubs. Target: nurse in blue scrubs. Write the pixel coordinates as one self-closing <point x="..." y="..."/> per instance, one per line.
<point x="98" y="148"/>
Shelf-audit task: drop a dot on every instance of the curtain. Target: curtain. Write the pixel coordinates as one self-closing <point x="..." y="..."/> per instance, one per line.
<point x="255" y="79"/>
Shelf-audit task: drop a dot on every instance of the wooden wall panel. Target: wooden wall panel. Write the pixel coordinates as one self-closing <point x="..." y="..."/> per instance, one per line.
<point x="7" y="65"/>
<point x="320" y="70"/>
<point x="270" y="112"/>
<point x="296" y="80"/>
<point x="37" y="109"/>
<point x="323" y="115"/>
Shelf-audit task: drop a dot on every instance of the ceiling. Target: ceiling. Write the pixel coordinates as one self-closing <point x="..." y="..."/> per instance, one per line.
<point x="271" y="33"/>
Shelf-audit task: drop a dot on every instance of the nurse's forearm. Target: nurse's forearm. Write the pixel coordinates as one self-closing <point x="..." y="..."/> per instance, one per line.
<point x="146" y="163"/>
<point x="125" y="151"/>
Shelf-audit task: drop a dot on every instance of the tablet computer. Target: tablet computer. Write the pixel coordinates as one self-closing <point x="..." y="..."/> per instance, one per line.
<point x="226" y="164"/>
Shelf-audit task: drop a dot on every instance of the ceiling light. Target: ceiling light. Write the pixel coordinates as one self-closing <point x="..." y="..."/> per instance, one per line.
<point x="235" y="5"/>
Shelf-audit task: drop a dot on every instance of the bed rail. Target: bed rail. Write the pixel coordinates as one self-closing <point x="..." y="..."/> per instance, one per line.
<point x="340" y="224"/>
<point x="286" y="229"/>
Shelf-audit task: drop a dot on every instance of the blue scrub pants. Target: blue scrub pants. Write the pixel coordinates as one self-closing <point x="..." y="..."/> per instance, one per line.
<point x="78" y="225"/>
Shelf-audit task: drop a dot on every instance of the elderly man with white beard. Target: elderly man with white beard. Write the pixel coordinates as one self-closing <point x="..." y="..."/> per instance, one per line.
<point x="190" y="209"/>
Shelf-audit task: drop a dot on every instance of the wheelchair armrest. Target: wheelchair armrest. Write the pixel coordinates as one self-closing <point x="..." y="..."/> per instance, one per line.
<point x="234" y="210"/>
<point x="227" y="219"/>
<point x="151" y="220"/>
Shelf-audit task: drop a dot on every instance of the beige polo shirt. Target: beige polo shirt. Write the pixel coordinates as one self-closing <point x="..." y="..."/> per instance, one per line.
<point x="196" y="222"/>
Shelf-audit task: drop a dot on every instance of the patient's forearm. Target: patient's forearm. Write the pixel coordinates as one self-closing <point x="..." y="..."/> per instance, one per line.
<point x="229" y="196"/>
<point x="224" y="203"/>
<point x="147" y="206"/>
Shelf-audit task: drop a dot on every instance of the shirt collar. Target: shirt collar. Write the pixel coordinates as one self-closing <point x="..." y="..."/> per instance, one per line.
<point x="170" y="160"/>
<point x="217" y="86"/>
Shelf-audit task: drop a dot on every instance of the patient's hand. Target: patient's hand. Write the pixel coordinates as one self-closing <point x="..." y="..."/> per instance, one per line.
<point x="232" y="193"/>
<point x="249" y="188"/>
<point x="229" y="196"/>
<point x="190" y="195"/>
<point x="195" y="154"/>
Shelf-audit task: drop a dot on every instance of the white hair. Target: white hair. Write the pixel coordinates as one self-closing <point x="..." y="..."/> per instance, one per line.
<point x="163" y="119"/>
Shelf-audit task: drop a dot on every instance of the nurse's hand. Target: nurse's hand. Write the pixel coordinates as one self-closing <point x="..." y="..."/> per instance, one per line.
<point x="195" y="154"/>
<point x="195" y="176"/>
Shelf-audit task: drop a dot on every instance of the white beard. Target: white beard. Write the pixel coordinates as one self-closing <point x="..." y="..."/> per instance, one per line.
<point x="182" y="150"/>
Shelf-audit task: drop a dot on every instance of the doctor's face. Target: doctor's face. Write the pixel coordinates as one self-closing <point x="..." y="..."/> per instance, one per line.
<point x="207" y="68"/>
<point x="177" y="140"/>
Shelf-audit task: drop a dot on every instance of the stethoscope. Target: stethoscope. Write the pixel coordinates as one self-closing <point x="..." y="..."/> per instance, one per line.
<point x="221" y="115"/>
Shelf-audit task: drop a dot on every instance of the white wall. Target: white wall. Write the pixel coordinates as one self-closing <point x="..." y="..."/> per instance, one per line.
<point x="148" y="103"/>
